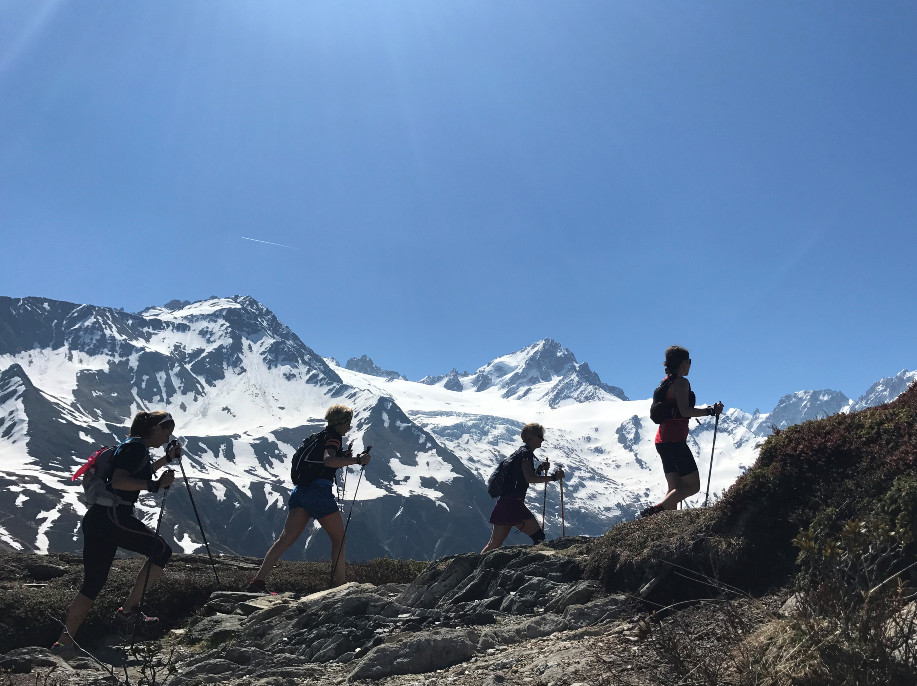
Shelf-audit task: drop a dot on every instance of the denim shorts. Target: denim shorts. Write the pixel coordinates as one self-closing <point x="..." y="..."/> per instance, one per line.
<point x="316" y="498"/>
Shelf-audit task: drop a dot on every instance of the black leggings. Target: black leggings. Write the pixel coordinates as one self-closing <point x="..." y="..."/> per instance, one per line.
<point x="105" y="529"/>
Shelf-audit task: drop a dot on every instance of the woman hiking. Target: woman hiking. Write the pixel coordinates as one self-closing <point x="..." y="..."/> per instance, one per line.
<point x="313" y="497"/>
<point x="510" y="509"/>
<point x="678" y="463"/>
<point x="107" y="528"/>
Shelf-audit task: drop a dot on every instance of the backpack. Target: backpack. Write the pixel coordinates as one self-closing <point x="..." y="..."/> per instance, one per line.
<point x="96" y="473"/>
<point x="663" y="409"/>
<point x="499" y="480"/>
<point x="308" y="462"/>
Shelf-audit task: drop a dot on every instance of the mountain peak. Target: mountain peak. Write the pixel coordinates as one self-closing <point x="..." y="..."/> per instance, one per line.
<point x="542" y="371"/>
<point x="365" y="365"/>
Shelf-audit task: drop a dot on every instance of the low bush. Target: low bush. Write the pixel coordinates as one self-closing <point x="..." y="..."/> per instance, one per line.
<point x="822" y="472"/>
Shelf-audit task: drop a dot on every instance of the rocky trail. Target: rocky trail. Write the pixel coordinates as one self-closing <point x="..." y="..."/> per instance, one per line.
<point x="519" y="615"/>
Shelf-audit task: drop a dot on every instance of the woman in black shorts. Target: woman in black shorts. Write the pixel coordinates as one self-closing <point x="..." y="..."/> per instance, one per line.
<point x="107" y="528"/>
<point x="510" y="509"/>
<point x="678" y="463"/>
<point x="316" y="499"/>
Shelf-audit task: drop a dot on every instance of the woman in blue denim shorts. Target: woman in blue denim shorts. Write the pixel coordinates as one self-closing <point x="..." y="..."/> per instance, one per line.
<point x="316" y="499"/>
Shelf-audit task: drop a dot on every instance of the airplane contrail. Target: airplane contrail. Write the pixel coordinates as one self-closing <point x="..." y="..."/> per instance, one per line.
<point x="279" y="245"/>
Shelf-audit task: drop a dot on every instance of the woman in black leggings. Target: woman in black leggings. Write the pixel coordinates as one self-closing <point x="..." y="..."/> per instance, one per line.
<point x="107" y="528"/>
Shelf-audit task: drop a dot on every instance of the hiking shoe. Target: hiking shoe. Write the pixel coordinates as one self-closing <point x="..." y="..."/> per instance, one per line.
<point x="649" y="512"/>
<point x="64" y="651"/>
<point x="257" y="586"/>
<point x="135" y="619"/>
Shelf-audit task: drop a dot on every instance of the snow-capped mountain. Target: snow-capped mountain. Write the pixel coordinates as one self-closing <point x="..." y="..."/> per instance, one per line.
<point x="886" y="390"/>
<point x="245" y="390"/>
<point x="544" y="371"/>
<point x="799" y="407"/>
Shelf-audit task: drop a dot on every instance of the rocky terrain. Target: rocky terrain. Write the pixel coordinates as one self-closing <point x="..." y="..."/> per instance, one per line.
<point x="522" y="615"/>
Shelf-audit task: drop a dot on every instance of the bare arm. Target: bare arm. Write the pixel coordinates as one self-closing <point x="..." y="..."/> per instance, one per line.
<point x="682" y="391"/>
<point x="529" y="474"/>
<point x="344" y="461"/>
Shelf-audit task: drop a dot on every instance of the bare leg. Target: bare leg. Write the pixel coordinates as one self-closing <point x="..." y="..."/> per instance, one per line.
<point x="334" y="527"/>
<point x="297" y="518"/>
<point x="529" y="527"/>
<point x="680" y="487"/>
<point x="133" y="600"/>
<point x="497" y="536"/>
<point x="79" y="608"/>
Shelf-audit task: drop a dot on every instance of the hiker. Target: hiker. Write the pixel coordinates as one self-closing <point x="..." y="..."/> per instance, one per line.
<point x="681" y="475"/>
<point x="313" y="497"/>
<point x="107" y="528"/>
<point x="510" y="509"/>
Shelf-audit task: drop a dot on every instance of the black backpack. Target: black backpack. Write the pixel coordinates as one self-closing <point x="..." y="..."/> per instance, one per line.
<point x="308" y="460"/>
<point x="501" y="480"/>
<point x="663" y="409"/>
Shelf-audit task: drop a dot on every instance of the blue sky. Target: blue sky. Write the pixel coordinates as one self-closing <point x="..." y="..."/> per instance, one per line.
<point x="456" y="180"/>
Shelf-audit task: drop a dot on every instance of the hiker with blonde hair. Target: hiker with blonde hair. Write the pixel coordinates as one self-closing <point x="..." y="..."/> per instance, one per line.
<point x="314" y="468"/>
<point x="510" y="510"/>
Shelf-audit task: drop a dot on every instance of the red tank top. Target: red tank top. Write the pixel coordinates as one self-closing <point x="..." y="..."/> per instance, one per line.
<point x="673" y="430"/>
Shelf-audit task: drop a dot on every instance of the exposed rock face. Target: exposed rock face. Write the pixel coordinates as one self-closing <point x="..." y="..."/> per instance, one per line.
<point x="460" y="608"/>
<point x="365" y="365"/>
<point x="468" y="610"/>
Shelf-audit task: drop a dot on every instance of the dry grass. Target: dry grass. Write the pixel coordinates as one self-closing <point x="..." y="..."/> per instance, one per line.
<point x="30" y="613"/>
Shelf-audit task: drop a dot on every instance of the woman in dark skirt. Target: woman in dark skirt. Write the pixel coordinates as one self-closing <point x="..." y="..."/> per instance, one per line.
<point x="510" y="509"/>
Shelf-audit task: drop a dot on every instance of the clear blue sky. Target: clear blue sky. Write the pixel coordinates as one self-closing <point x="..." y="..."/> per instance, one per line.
<point x="455" y="180"/>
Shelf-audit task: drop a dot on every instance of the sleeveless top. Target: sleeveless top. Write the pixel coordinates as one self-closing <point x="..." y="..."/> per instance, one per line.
<point x="673" y="430"/>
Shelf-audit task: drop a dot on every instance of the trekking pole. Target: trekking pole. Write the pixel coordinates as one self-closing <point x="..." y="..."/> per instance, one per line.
<point x="563" y="522"/>
<point x="544" y="504"/>
<point x="342" y="488"/>
<point x="346" y="524"/>
<point x="710" y="472"/>
<point x="543" y="471"/>
<point x="149" y="560"/>
<point x="199" y="525"/>
<point x="349" y="515"/>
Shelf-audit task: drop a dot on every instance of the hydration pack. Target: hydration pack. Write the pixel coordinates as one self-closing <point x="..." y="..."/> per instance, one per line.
<point x="96" y="473"/>
<point x="663" y="409"/>
<point x="308" y="460"/>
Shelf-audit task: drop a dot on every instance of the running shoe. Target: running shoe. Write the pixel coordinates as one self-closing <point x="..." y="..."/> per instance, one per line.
<point x="257" y="586"/>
